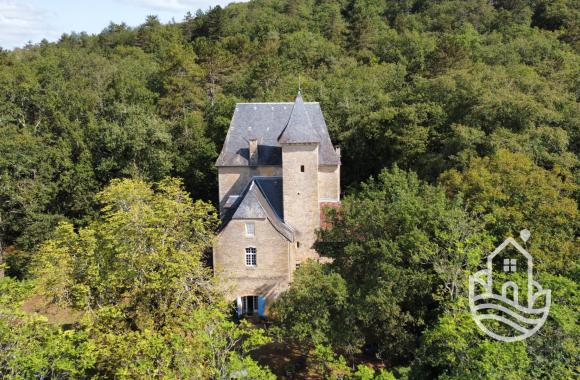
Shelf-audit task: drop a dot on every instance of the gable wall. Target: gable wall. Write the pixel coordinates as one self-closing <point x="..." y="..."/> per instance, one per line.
<point x="271" y="275"/>
<point x="233" y="180"/>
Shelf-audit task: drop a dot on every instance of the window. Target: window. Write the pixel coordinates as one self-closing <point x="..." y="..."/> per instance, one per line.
<point x="509" y="265"/>
<point x="249" y="305"/>
<point x="302" y="168"/>
<point x="297" y="265"/>
<point x="251" y="257"/>
<point x="297" y="244"/>
<point x="250" y="229"/>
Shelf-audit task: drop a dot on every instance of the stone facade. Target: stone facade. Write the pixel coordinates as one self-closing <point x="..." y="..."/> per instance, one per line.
<point x="276" y="169"/>
<point x="329" y="183"/>
<point x="300" y="194"/>
<point x="272" y="272"/>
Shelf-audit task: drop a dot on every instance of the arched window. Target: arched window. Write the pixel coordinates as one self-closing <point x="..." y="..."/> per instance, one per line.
<point x="251" y="257"/>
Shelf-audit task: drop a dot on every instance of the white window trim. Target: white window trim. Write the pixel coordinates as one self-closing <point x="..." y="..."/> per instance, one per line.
<point x="249" y="255"/>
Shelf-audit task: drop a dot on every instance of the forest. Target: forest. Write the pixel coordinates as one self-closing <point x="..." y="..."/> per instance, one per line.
<point x="459" y="125"/>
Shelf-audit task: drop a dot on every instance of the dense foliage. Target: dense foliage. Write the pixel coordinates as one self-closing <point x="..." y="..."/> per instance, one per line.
<point x="464" y="113"/>
<point x="402" y="252"/>
<point x="146" y="305"/>
<point x="425" y="85"/>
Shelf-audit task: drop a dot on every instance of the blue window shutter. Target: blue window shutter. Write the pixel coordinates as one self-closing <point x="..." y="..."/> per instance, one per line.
<point x="239" y="302"/>
<point x="261" y="305"/>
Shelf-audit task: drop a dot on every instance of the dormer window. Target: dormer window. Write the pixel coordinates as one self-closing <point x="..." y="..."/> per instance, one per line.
<point x="250" y="229"/>
<point x="231" y="200"/>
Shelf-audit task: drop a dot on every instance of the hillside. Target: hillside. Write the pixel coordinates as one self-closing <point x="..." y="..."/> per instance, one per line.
<point x="425" y="85"/>
<point x="445" y="111"/>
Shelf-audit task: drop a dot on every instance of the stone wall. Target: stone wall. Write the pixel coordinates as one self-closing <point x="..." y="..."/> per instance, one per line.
<point x="329" y="183"/>
<point x="303" y="193"/>
<point x="274" y="258"/>
<point x="300" y="188"/>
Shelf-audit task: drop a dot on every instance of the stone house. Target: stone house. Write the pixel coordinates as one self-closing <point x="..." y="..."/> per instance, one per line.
<point x="277" y="168"/>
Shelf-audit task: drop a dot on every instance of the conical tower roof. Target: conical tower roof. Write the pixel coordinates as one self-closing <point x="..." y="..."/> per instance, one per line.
<point x="299" y="129"/>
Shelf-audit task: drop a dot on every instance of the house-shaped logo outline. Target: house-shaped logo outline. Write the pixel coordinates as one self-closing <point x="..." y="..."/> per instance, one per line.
<point x="485" y="278"/>
<point x="530" y="262"/>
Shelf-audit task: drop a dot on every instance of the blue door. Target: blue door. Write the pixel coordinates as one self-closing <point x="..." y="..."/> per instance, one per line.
<point x="261" y="306"/>
<point x="239" y="304"/>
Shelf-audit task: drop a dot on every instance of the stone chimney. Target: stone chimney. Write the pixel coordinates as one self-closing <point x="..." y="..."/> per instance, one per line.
<point x="253" y="152"/>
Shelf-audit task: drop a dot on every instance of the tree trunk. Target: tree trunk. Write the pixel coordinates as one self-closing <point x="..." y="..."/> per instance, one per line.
<point x="1" y="261"/>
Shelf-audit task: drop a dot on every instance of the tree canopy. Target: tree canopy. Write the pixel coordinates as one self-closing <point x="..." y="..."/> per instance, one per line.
<point x="459" y="125"/>
<point x="424" y="85"/>
<point x="148" y="306"/>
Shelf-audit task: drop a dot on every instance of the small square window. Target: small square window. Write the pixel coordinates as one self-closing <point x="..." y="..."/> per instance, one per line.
<point x="302" y="168"/>
<point x="250" y="229"/>
<point x="510" y="265"/>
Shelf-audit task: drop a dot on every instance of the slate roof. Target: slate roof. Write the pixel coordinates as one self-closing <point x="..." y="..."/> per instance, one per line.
<point x="262" y="199"/>
<point x="266" y="122"/>
<point x="299" y="129"/>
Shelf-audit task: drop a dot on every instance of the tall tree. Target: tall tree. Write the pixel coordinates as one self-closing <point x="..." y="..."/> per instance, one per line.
<point x="510" y="192"/>
<point x="150" y="306"/>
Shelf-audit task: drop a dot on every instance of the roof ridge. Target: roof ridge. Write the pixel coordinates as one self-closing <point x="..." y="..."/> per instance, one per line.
<point x="265" y="196"/>
<point x="279" y="219"/>
<point x="265" y="205"/>
<point x="267" y="176"/>
<point x="267" y="120"/>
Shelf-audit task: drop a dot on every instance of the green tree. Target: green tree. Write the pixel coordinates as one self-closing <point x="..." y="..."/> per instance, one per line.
<point x="314" y="287"/>
<point x="402" y="247"/>
<point x="150" y="306"/>
<point x="510" y="193"/>
<point x="455" y="348"/>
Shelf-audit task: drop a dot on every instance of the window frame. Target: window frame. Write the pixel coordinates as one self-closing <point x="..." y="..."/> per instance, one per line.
<point x="510" y="265"/>
<point x="253" y="228"/>
<point x="251" y="257"/>
<point x="255" y="302"/>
